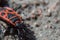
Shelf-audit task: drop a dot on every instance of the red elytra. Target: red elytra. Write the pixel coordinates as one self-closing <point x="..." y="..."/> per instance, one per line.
<point x="10" y="16"/>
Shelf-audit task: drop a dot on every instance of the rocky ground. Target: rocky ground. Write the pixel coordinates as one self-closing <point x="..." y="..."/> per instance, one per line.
<point x="42" y="15"/>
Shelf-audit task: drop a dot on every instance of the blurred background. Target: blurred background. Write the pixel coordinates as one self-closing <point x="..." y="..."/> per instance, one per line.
<point x="42" y="15"/>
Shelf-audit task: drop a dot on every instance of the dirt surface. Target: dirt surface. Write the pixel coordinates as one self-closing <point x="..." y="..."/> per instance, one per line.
<point x="42" y="15"/>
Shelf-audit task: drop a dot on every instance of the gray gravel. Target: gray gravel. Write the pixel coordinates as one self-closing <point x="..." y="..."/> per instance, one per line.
<point x="42" y="15"/>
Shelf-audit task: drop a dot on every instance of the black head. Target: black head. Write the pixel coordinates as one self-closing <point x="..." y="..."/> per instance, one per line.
<point x="4" y="3"/>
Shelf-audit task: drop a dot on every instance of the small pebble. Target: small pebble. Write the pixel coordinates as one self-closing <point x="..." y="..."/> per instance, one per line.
<point x="37" y="25"/>
<point x="24" y="5"/>
<point x="44" y="3"/>
<point x="48" y="14"/>
<point x="48" y="21"/>
<point x="39" y="12"/>
<point x="28" y="18"/>
<point x="57" y="21"/>
<point x="34" y="17"/>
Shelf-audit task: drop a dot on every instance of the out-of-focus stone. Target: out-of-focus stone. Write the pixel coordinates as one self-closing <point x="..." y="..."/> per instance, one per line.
<point x="35" y="2"/>
<point x="49" y="26"/>
<point x="24" y="5"/>
<point x="28" y="18"/>
<point x="44" y="3"/>
<point x="51" y="8"/>
<point x="33" y="11"/>
<point x="48" y="21"/>
<point x="37" y="25"/>
<point x="39" y="12"/>
<point x="33" y="16"/>
<point x="57" y="21"/>
<point x="48" y="14"/>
